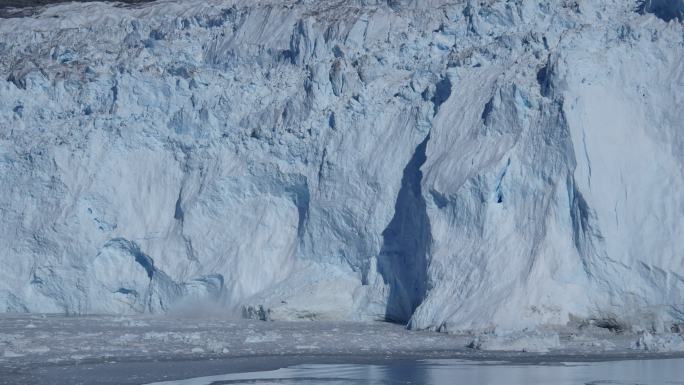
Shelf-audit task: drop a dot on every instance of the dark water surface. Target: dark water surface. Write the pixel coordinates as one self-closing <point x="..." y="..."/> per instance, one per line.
<point x="455" y="372"/>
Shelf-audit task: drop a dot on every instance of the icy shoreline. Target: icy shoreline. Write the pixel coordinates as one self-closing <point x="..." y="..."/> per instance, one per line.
<point x="55" y="349"/>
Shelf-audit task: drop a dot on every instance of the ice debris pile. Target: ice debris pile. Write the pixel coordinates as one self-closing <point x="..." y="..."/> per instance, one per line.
<point x="668" y="342"/>
<point x="518" y="341"/>
<point x="452" y="165"/>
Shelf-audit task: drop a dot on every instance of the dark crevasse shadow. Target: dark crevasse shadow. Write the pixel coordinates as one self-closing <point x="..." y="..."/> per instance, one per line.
<point x="402" y="261"/>
<point x="27" y="8"/>
<point x="663" y="9"/>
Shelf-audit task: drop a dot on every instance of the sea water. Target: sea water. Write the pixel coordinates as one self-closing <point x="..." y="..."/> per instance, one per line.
<point x="456" y="372"/>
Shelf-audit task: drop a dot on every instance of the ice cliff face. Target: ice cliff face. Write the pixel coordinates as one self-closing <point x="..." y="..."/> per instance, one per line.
<point x="452" y="165"/>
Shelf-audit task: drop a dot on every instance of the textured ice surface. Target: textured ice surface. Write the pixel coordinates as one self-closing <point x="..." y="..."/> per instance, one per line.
<point x="659" y="343"/>
<point x="39" y="340"/>
<point x="452" y="165"/>
<point x="36" y="340"/>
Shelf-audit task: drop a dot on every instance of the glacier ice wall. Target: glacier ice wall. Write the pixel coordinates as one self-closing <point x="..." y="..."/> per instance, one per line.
<point x="449" y="164"/>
